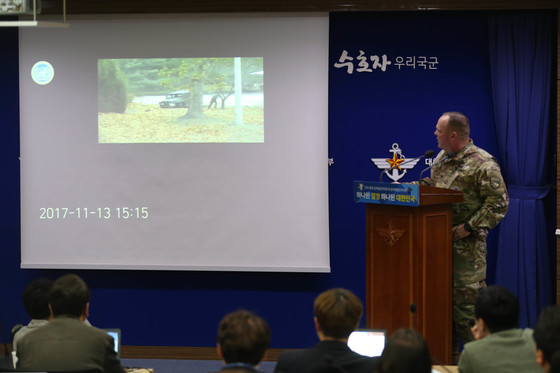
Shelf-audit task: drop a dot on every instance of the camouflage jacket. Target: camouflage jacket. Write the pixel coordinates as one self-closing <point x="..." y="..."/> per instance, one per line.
<point x="476" y="173"/>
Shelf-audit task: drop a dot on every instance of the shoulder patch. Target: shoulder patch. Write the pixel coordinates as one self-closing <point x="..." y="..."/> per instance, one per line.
<point x="495" y="182"/>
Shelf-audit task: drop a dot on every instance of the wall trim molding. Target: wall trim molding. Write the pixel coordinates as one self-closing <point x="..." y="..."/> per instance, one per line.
<point x="182" y="353"/>
<point x="173" y="352"/>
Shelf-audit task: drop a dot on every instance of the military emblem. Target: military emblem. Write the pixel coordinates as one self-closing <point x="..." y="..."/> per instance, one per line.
<point x="390" y="235"/>
<point x="395" y="167"/>
<point x="42" y="73"/>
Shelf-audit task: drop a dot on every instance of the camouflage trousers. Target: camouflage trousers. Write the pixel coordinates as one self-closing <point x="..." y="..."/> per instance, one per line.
<point x="464" y="299"/>
<point x="469" y="273"/>
<point x="469" y="261"/>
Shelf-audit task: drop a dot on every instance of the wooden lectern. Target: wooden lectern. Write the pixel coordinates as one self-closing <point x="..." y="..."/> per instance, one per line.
<point x="409" y="262"/>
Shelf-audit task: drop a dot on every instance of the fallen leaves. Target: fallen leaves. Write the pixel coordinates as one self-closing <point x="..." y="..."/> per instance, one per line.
<point x="152" y="124"/>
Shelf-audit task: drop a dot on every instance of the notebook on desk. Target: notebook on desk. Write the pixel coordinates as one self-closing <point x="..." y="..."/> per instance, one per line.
<point x="116" y="334"/>
<point x="367" y="342"/>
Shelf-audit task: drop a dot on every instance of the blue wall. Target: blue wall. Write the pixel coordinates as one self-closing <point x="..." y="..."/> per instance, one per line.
<point x="369" y="111"/>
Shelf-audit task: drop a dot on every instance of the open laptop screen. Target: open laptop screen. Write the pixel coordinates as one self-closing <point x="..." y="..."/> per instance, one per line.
<point x="367" y="342"/>
<point x="116" y="334"/>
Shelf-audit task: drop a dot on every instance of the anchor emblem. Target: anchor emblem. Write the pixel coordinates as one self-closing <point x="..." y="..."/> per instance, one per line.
<point x="396" y="167"/>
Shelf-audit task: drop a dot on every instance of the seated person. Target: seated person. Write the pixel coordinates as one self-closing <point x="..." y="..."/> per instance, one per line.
<point x="66" y="343"/>
<point x="547" y="339"/>
<point x="406" y="351"/>
<point x="337" y="314"/>
<point x="243" y="339"/>
<point x="36" y="302"/>
<point x="499" y="346"/>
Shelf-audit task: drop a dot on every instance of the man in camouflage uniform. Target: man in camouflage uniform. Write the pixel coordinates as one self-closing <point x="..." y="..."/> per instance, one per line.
<point x="462" y="166"/>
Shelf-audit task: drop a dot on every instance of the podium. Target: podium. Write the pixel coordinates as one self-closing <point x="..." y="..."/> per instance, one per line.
<point x="409" y="260"/>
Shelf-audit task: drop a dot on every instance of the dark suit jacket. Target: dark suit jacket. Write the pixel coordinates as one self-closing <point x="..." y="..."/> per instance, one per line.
<point x="66" y="343"/>
<point x="325" y="357"/>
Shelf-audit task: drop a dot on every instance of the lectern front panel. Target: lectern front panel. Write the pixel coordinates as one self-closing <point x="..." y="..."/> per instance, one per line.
<point x="409" y="262"/>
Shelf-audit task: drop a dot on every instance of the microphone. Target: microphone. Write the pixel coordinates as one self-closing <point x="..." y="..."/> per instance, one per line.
<point x="445" y="157"/>
<point x="428" y="154"/>
<point x="413" y="311"/>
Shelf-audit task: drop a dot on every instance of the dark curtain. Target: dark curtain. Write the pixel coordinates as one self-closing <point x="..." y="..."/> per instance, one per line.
<point x="521" y="59"/>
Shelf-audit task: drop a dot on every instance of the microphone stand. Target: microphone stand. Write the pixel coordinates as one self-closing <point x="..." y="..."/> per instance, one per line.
<point x="446" y="157"/>
<point x="436" y="361"/>
<point x="413" y="312"/>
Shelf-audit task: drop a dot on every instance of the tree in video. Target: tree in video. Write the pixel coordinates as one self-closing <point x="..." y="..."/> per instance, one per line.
<point x="181" y="100"/>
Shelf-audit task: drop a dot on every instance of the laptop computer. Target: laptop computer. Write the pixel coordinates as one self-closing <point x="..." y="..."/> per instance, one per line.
<point x="367" y="342"/>
<point x="116" y="334"/>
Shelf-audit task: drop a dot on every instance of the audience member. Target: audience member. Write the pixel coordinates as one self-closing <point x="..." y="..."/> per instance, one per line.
<point x="243" y="339"/>
<point x="406" y="351"/>
<point x="547" y="339"/>
<point x="499" y="345"/>
<point x="36" y="302"/>
<point x="66" y="343"/>
<point x="337" y="313"/>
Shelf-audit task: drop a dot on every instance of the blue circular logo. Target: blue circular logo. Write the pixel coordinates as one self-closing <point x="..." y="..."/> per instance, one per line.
<point x="42" y="73"/>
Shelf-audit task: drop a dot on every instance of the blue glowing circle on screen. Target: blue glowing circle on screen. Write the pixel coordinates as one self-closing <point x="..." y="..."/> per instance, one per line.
<point x="42" y="73"/>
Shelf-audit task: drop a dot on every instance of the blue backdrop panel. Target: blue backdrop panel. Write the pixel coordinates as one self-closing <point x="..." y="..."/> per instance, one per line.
<point x="369" y="111"/>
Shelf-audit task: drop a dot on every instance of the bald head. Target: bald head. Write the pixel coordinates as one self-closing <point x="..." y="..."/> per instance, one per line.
<point x="452" y="132"/>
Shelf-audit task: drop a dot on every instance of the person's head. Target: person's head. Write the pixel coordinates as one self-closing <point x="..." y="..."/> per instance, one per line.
<point x="243" y="337"/>
<point x="547" y="339"/>
<point x="36" y="298"/>
<point x="452" y="131"/>
<point x="496" y="309"/>
<point x="70" y="295"/>
<point x="406" y="351"/>
<point x="337" y="313"/>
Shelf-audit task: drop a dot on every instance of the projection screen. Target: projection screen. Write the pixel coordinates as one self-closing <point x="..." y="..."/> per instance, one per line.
<point x="175" y="142"/>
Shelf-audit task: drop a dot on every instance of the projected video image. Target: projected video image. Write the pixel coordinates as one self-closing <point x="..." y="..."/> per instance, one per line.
<point x="181" y="100"/>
